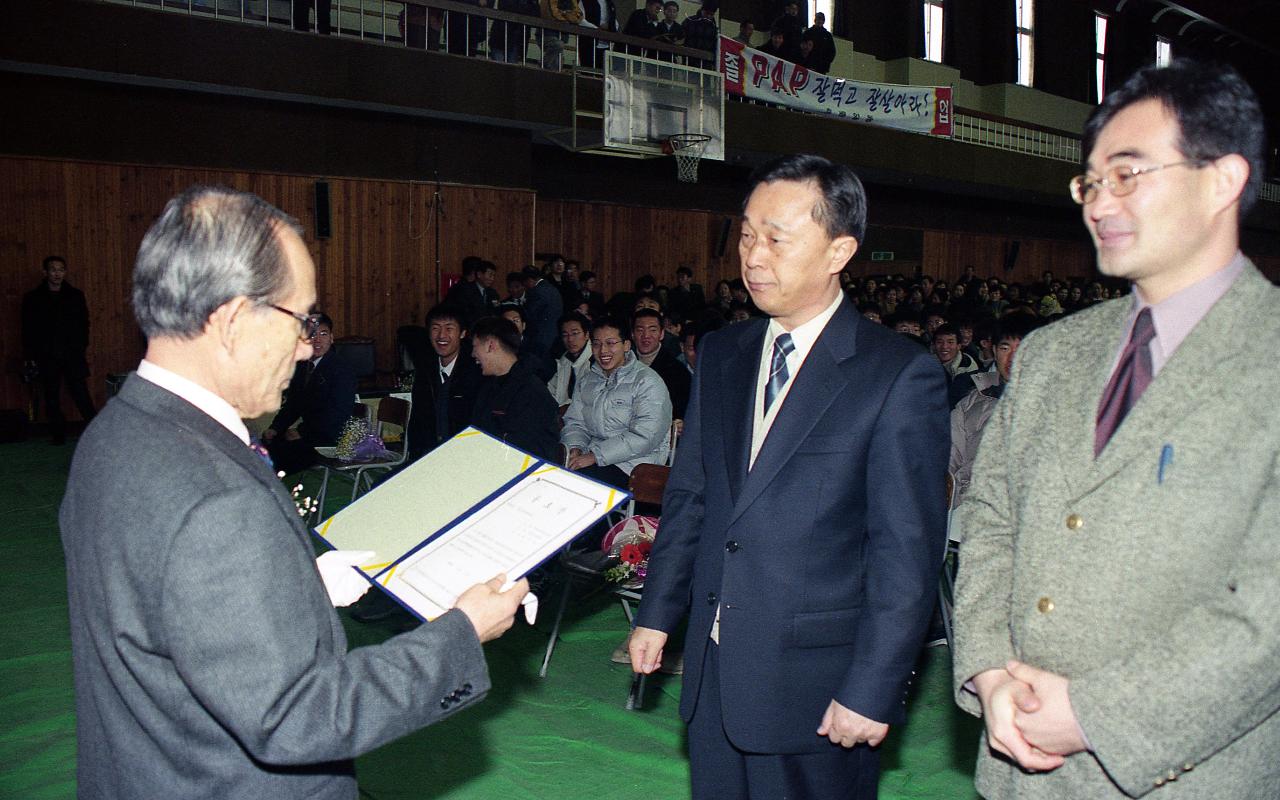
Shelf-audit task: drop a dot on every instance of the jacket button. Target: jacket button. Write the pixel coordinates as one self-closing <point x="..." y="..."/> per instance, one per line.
<point x="1075" y="522"/>
<point x="1045" y="605"/>
<point x="711" y="598"/>
<point x="1159" y="782"/>
<point x="466" y="688"/>
<point x="444" y="703"/>
<point x="1188" y="767"/>
<point x="731" y="546"/>
<point x="1173" y="775"/>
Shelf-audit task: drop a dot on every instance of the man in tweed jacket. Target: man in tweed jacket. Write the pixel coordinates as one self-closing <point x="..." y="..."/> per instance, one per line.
<point x="1116" y="612"/>
<point x="208" y="660"/>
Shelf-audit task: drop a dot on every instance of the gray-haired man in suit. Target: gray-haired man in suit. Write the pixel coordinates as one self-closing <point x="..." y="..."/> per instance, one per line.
<point x="209" y="662"/>
<point x="1116" y="611"/>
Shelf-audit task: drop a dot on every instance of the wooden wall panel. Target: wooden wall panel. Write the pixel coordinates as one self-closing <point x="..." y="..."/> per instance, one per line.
<point x="947" y="253"/>
<point x="621" y="243"/>
<point x="377" y="270"/>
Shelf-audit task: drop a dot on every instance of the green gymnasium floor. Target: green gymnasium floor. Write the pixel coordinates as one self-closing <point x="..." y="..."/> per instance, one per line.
<point x="563" y="737"/>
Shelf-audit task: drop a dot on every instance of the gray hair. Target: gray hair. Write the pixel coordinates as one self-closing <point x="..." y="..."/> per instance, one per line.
<point x="210" y="245"/>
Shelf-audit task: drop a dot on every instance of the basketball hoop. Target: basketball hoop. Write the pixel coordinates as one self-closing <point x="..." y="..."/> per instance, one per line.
<point x="687" y="148"/>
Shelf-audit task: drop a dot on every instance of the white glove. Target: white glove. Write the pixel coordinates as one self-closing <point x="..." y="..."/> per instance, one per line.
<point x="344" y="583"/>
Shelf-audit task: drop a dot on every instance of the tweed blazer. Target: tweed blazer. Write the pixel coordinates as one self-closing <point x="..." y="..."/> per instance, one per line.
<point x="208" y="660"/>
<point x="1150" y="576"/>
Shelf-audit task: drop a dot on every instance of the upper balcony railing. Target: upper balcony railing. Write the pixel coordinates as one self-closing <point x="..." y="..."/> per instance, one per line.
<point x="472" y="29"/>
<point x="457" y="27"/>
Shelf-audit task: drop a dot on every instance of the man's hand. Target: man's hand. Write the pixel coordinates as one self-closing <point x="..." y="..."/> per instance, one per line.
<point x="1052" y="727"/>
<point x="580" y="460"/>
<point x="491" y="610"/>
<point x="646" y="649"/>
<point x="268" y="435"/>
<point x="849" y="728"/>
<point x="1002" y="696"/>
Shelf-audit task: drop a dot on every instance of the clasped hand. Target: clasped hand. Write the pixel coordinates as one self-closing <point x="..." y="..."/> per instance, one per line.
<point x="1029" y="716"/>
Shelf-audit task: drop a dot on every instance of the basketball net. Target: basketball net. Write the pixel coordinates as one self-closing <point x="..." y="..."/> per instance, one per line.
<point x="687" y="149"/>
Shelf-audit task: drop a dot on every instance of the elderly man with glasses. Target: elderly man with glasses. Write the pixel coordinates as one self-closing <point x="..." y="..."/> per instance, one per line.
<point x="209" y="661"/>
<point x="1116" y="616"/>
<point x="319" y="400"/>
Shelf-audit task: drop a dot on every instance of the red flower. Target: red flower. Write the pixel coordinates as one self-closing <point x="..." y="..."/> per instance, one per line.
<point x="645" y="548"/>
<point x="632" y="554"/>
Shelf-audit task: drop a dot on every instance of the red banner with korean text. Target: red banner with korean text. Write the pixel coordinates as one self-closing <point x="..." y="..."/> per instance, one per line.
<point x="760" y="76"/>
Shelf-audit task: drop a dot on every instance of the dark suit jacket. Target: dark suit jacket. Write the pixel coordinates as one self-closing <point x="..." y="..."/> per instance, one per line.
<point x="519" y="409"/>
<point x="684" y="304"/>
<point x="677" y="378"/>
<point x="543" y="307"/>
<point x="323" y="402"/>
<point x="208" y="660"/>
<point x="457" y="398"/>
<point x="824" y="557"/>
<point x="55" y="325"/>
<point x="471" y="300"/>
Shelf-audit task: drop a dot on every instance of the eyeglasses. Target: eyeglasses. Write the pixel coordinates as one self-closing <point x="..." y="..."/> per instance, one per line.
<point x="599" y="343"/>
<point x="1120" y="180"/>
<point x="310" y="322"/>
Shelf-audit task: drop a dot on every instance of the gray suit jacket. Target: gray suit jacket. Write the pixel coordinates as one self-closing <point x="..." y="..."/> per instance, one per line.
<point x="1152" y="588"/>
<point x="208" y="660"/>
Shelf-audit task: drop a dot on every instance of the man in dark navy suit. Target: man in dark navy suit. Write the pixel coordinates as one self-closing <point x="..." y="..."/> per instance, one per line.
<point x="803" y="523"/>
<point x="321" y="395"/>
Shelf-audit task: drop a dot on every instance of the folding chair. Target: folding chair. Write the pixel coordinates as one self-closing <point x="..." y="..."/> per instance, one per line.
<point x="647" y="483"/>
<point x="391" y="410"/>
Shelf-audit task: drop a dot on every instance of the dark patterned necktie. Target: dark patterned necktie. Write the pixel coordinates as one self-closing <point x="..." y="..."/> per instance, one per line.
<point x="1130" y="380"/>
<point x="778" y="375"/>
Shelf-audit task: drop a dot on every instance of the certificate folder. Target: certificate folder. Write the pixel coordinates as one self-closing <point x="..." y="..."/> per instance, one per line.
<point x="470" y="509"/>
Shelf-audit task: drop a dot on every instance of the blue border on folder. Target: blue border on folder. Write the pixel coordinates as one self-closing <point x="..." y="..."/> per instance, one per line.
<point x="537" y="464"/>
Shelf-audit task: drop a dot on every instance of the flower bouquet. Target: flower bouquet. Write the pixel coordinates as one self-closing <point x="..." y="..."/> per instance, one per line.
<point x="630" y="541"/>
<point x="358" y="443"/>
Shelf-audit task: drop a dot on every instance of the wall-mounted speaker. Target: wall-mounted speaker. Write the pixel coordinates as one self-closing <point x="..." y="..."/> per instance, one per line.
<point x="322" y="210"/>
<point x="1011" y="256"/>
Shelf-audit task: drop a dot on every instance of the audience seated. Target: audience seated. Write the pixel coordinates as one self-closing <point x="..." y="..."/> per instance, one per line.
<point x="620" y="415"/>
<point x="556" y="273"/>
<point x="646" y="338"/>
<point x="512" y="404"/>
<point x="515" y="289"/>
<point x="946" y="346"/>
<point x="445" y="386"/>
<point x="970" y="415"/>
<point x="572" y="365"/>
<point x="320" y="398"/>
<point x="590" y="299"/>
<point x="685" y="299"/>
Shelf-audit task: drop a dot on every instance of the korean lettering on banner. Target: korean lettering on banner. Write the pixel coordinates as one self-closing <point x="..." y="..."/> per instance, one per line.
<point x="757" y="75"/>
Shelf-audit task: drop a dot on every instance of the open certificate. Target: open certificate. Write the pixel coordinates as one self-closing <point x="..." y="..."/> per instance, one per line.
<point x="470" y="509"/>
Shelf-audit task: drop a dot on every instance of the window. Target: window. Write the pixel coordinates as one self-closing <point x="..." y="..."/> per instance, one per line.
<point x="933" y="30"/>
<point x="1024" y="11"/>
<point x="1099" y="54"/>
<point x="1164" y="52"/>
